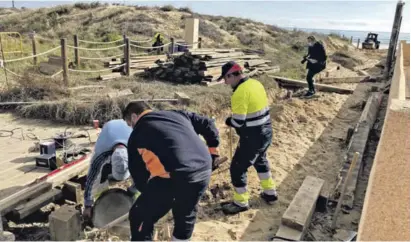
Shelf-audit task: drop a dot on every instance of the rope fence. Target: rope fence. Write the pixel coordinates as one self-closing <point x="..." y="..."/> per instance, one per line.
<point x="140" y="41"/>
<point x="32" y="56"/>
<point x="67" y="67"/>
<point x="101" y="58"/>
<point x="100" y="43"/>
<point x="149" y="47"/>
<point x="96" y="49"/>
<point x="96" y="71"/>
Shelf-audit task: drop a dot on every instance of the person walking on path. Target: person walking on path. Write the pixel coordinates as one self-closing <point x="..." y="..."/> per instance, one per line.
<point x="316" y="62"/>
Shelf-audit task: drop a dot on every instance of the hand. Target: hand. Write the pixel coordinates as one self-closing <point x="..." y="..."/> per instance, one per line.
<point x="228" y="122"/>
<point x="87" y="213"/>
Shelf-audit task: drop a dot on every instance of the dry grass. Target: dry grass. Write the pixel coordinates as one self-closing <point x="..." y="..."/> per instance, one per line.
<point x="211" y="101"/>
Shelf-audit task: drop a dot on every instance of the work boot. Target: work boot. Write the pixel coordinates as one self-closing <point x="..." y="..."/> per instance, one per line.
<point x="231" y="208"/>
<point x="270" y="199"/>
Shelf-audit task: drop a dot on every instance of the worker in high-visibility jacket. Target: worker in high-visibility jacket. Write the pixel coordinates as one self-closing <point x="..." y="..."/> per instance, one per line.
<point x="251" y="120"/>
<point x="158" y="40"/>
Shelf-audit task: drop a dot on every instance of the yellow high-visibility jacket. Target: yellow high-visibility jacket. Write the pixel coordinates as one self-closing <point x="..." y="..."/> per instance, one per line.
<point x="249" y="104"/>
<point x="156" y="36"/>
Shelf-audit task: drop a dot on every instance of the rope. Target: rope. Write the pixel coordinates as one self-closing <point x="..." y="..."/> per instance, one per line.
<point x="187" y="45"/>
<point x="109" y="48"/>
<point x="12" y="72"/>
<point x="102" y="43"/>
<point x="57" y="73"/>
<point x="140" y="41"/>
<point x="108" y="69"/>
<point x="100" y="58"/>
<point x="29" y="57"/>
<point x="145" y="47"/>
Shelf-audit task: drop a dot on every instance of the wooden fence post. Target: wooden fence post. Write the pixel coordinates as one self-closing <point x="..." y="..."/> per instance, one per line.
<point x="172" y="45"/>
<point x="127" y="58"/>
<point x="33" y="44"/>
<point x="64" y="61"/>
<point x="351" y="40"/>
<point x="358" y="43"/>
<point x="76" y="55"/>
<point x="199" y="42"/>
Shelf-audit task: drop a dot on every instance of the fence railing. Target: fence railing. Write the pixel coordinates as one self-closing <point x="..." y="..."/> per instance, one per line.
<point x="124" y="45"/>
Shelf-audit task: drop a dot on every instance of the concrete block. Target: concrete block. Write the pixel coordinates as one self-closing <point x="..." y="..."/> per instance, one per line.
<point x="55" y="60"/>
<point x="64" y="224"/>
<point x="298" y="214"/>
<point x="182" y="97"/>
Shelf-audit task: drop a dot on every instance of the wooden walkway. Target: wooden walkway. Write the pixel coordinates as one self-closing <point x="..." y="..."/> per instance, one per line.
<point x="18" y="166"/>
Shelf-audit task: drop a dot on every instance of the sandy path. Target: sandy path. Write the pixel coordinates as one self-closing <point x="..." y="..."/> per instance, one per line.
<point x="308" y="140"/>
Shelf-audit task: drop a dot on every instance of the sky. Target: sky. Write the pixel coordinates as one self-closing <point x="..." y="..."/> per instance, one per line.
<point x="339" y="15"/>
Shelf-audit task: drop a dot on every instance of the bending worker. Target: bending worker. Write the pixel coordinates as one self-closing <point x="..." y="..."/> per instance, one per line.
<point x="158" y="41"/>
<point x="170" y="165"/>
<point x="109" y="161"/>
<point x="251" y="120"/>
<point x="316" y="58"/>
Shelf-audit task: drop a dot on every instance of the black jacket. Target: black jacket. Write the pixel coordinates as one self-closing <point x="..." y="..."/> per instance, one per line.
<point x="317" y="52"/>
<point x="166" y="144"/>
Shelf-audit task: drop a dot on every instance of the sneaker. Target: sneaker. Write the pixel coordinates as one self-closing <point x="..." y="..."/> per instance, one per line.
<point x="309" y="94"/>
<point x="269" y="198"/>
<point x="231" y="208"/>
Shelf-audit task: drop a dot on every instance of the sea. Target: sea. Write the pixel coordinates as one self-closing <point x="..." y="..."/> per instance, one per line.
<point x="384" y="37"/>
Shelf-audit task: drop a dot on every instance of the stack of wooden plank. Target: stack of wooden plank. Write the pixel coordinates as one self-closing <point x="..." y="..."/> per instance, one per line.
<point x="137" y="65"/>
<point x="204" y="65"/>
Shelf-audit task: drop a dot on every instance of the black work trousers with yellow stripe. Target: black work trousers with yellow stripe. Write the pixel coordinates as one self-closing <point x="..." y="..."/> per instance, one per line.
<point x="161" y="195"/>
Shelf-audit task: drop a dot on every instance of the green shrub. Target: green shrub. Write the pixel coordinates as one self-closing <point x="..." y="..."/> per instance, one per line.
<point x="185" y="10"/>
<point x="210" y="31"/>
<point x="112" y="37"/>
<point x="167" y="8"/>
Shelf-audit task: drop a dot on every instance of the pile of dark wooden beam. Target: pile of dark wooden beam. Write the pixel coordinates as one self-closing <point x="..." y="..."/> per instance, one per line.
<point x="195" y="66"/>
<point x="204" y="65"/>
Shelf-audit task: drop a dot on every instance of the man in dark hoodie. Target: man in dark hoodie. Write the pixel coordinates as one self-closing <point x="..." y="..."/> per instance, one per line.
<point x="316" y="62"/>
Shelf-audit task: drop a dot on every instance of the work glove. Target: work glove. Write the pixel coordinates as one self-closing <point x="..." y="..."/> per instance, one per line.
<point x="228" y="122"/>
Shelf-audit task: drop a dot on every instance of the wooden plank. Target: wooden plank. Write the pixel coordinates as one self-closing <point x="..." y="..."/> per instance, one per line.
<point x="355" y="79"/>
<point x="225" y="55"/>
<point x="255" y="63"/>
<point x="320" y="87"/>
<point x="286" y="233"/>
<point x="72" y="192"/>
<point x="110" y="76"/>
<point x="182" y="97"/>
<point x="9" y="203"/>
<point x="149" y="57"/>
<point x="299" y="212"/>
<point x="42" y="200"/>
<point x="209" y="84"/>
<point x="358" y="144"/>
<point x="125" y="92"/>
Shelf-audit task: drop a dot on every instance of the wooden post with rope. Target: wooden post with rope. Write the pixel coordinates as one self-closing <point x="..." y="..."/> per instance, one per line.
<point x="76" y="54"/>
<point x="199" y="42"/>
<point x="64" y="61"/>
<point x="358" y="43"/>
<point x="127" y="58"/>
<point x="34" y="47"/>
<point x="3" y="61"/>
